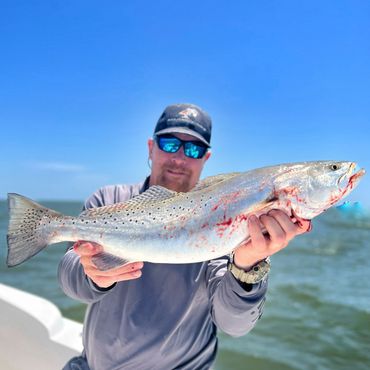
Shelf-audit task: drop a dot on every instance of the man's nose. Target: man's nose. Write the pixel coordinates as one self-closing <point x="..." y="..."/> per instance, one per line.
<point x="179" y="156"/>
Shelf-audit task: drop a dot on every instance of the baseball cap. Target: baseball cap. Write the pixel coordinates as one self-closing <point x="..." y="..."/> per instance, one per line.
<point x="185" y="119"/>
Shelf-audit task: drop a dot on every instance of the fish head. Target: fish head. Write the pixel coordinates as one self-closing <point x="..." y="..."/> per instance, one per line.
<point x="319" y="185"/>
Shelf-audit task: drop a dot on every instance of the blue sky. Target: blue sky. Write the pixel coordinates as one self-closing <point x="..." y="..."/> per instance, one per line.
<point x="82" y="84"/>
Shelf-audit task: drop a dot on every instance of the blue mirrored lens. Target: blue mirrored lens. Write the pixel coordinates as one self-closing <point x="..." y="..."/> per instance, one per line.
<point x="171" y="144"/>
<point x="194" y="151"/>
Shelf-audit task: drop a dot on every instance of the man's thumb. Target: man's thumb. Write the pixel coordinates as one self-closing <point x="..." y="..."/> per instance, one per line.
<point x="82" y="247"/>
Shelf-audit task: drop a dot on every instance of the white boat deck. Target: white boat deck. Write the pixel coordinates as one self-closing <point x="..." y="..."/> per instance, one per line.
<point x="33" y="333"/>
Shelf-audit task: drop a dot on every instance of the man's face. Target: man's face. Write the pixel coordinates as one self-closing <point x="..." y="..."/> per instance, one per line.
<point x="175" y="171"/>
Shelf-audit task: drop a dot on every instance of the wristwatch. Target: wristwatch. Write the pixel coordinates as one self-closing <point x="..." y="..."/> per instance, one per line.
<point x="252" y="276"/>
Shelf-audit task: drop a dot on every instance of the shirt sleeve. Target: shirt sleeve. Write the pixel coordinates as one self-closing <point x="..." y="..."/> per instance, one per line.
<point x="72" y="278"/>
<point x="71" y="275"/>
<point x="75" y="283"/>
<point x="236" y="307"/>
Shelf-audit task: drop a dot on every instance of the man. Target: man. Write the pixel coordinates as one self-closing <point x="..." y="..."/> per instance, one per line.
<point x="163" y="316"/>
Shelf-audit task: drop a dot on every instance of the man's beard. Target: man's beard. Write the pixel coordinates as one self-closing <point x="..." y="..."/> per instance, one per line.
<point x="181" y="184"/>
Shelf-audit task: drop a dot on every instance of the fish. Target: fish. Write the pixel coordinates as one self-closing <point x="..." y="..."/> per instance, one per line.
<point x="164" y="226"/>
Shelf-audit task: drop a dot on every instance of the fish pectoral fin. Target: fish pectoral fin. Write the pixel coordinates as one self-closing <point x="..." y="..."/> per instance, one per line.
<point x="106" y="261"/>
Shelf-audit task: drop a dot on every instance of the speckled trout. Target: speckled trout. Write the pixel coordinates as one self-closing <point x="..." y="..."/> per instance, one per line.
<point x="164" y="226"/>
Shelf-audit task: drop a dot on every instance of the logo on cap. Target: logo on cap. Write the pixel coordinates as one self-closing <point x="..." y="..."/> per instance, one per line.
<point x="189" y="113"/>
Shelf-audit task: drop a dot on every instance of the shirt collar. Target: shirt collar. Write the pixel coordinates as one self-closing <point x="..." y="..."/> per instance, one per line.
<point x="145" y="185"/>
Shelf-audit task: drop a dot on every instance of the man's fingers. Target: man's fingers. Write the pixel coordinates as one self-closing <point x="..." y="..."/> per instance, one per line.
<point x="86" y="250"/>
<point x="121" y="277"/>
<point x="304" y="225"/>
<point x="287" y="225"/>
<point x="106" y="281"/>
<point x="255" y="232"/>
<point x="277" y="234"/>
<point x="127" y="268"/>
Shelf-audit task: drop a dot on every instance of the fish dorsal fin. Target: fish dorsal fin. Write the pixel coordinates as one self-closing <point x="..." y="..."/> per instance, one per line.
<point x="153" y="195"/>
<point x="213" y="180"/>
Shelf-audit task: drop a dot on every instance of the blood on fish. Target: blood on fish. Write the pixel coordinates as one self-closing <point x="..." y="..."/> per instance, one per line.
<point x="189" y="218"/>
<point x="225" y="223"/>
<point x="230" y="224"/>
<point x="215" y="207"/>
<point x="226" y="200"/>
<point x="289" y="191"/>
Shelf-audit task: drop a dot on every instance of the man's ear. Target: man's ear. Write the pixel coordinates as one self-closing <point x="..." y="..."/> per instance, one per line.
<point x="150" y="147"/>
<point x="208" y="154"/>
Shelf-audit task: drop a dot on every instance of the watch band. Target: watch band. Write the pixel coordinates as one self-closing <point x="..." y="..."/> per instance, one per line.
<point x="254" y="275"/>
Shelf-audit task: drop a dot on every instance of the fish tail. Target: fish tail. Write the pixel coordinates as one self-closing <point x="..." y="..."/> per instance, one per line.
<point x="26" y="232"/>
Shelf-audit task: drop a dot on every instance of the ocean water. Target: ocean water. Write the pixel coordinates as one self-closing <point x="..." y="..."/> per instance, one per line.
<point x="317" y="313"/>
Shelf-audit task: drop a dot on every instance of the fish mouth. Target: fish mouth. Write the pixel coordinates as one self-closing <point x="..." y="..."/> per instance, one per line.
<point x="355" y="178"/>
<point x="352" y="177"/>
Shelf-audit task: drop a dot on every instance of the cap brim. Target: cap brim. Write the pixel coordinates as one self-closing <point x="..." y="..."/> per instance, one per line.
<point x="182" y="130"/>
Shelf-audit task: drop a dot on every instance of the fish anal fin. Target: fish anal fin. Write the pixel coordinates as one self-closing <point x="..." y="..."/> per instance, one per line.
<point x="105" y="261"/>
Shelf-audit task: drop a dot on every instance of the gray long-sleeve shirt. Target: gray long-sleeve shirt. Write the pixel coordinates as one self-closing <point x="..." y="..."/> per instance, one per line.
<point x="168" y="318"/>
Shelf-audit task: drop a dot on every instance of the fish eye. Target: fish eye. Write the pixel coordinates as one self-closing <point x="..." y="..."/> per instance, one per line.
<point x="334" y="167"/>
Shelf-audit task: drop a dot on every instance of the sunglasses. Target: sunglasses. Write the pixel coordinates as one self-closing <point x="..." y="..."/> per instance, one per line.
<point x="171" y="144"/>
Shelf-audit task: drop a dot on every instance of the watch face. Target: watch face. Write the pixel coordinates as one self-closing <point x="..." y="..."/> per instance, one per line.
<point x="255" y="275"/>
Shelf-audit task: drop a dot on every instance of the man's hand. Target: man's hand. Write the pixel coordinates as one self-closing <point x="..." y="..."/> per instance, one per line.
<point x="281" y="229"/>
<point x="104" y="279"/>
